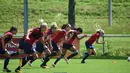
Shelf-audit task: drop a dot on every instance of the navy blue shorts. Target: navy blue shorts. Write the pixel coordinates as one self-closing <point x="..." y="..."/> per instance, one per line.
<point x="55" y="46"/>
<point x="40" y="47"/>
<point x="67" y="46"/>
<point x="88" y="46"/>
<point x="28" y="48"/>
<point x="21" y="44"/>
<point x="2" y="51"/>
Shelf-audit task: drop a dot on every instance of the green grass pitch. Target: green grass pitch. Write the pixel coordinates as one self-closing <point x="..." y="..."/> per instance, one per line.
<point x="91" y="66"/>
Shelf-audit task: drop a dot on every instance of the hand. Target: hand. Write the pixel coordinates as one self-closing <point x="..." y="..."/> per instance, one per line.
<point x="5" y="50"/>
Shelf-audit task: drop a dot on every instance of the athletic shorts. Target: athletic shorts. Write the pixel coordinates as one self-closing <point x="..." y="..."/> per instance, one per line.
<point x="88" y="46"/>
<point x="21" y="44"/>
<point x="2" y="51"/>
<point x="40" y="47"/>
<point x="67" y="46"/>
<point x="28" y="49"/>
<point x="55" y="46"/>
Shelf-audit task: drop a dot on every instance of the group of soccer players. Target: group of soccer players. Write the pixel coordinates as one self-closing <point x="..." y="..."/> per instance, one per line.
<point x="46" y="41"/>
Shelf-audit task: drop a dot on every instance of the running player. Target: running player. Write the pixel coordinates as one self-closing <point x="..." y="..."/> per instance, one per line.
<point x="7" y="38"/>
<point x="31" y="37"/>
<point x="67" y="45"/>
<point x="60" y="35"/>
<point x="90" y="41"/>
<point x="40" y="48"/>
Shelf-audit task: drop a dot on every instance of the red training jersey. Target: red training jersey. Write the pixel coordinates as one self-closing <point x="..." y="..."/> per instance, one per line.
<point x="34" y="35"/>
<point x="93" y="38"/>
<point x="74" y="35"/>
<point x="58" y="36"/>
<point x="8" y="38"/>
<point x="50" y="33"/>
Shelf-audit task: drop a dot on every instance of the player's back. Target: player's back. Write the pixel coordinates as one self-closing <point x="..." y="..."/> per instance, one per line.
<point x="58" y="36"/>
<point x="73" y="34"/>
<point x="34" y="35"/>
<point x="93" y="38"/>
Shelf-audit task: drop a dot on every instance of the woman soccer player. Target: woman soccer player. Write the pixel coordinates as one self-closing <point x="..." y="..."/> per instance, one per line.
<point x="60" y="35"/>
<point x="90" y="41"/>
<point x="7" y="38"/>
<point x="30" y="39"/>
<point x="67" y="45"/>
<point x="42" y="50"/>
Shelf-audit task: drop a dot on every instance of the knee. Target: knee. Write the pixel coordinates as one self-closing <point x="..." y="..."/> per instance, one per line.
<point x="35" y="57"/>
<point x="62" y="55"/>
<point x="53" y="54"/>
<point x="93" y="53"/>
<point x="58" y="53"/>
<point x="49" y="53"/>
<point x="89" y="53"/>
<point x="76" y="52"/>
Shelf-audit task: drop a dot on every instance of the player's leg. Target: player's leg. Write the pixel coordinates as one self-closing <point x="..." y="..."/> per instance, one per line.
<point x="88" y="53"/>
<point x="31" y="61"/>
<point x="42" y="56"/>
<point x="38" y="47"/>
<point x="35" y="56"/>
<point x="93" y="51"/>
<point x="75" y="52"/>
<point x="28" y="51"/>
<point x="61" y="56"/>
<point x="24" y="61"/>
<point x="47" y="58"/>
<point x="6" y="61"/>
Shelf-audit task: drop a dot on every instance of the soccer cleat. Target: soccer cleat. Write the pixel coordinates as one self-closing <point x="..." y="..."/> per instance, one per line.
<point x="20" y="62"/>
<point x="30" y="64"/>
<point x="46" y="67"/>
<point x="53" y="65"/>
<point x="82" y="62"/>
<point x="67" y="60"/>
<point x="6" y="70"/>
<point x="18" y="71"/>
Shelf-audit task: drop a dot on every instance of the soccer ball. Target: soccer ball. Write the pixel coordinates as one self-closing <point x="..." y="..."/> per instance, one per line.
<point x="128" y="59"/>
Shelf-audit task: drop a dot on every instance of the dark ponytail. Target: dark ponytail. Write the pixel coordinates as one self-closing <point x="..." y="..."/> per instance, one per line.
<point x="12" y="29"/>
<point x="64" y="26"/>
<point x="79" y="29"/>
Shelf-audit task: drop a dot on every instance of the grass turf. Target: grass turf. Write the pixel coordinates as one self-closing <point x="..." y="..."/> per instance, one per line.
<point x="89" y="14"/>
<point x="92" y="66"/>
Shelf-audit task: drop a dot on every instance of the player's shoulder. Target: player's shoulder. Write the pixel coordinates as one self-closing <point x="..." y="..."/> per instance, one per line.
<point x="36" y="30"/>
<point x="73" y="31"/>
<point x="8" y="33"/>
<point x="61" y="30"/>
<point x="96" y="34"/>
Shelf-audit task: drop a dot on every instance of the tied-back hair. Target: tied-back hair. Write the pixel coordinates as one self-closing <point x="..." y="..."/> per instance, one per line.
<point x="54" y="25"/>
<point x="78" y="29"/>
<point x="65" y="25"/>
<point x="100" y="31"/>
<point x="12" y="29"/>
